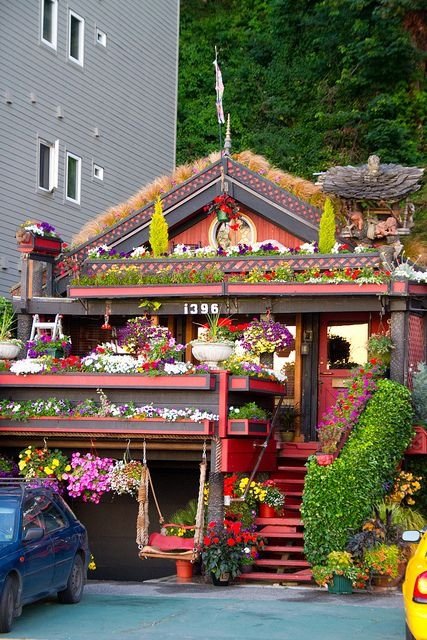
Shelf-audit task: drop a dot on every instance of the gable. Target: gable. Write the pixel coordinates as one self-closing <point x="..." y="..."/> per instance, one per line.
<point x="183" y="207"/>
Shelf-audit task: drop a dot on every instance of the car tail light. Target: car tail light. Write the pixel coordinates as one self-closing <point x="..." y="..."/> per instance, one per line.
<point x="420" y="588"/>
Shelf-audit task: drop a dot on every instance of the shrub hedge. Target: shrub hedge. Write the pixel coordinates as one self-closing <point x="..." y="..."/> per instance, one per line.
<point x="338" y="498"/>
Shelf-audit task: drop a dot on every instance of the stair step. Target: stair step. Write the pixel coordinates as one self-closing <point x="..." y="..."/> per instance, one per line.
<point x="275" y="562"/>
<point x="293" y="481"/>
<point x="277" y="577"/>
<point x="277" y="533"/>
<point x="276" y="548"/>
<point x="291" y="468"/>
<point x="282" y="522"/>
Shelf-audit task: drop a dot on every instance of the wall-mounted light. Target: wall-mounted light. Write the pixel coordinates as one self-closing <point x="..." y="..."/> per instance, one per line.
<point x="96" y="132"/>
<point x="33" y="98"/>
<point x="8" y="97"/>
<point x="59" y="113"/>
<point x="305" y="348"/>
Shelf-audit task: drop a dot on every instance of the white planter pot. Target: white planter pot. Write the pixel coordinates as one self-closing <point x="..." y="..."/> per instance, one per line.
<point x="8" y="350"/>
<point x="211" y="353"/>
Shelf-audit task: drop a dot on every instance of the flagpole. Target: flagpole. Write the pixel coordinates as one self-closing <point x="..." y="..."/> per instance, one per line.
<point x="219" y="87"/>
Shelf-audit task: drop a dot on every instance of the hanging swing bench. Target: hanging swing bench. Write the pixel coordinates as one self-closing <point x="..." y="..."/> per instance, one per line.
<point x="161" y="545"/>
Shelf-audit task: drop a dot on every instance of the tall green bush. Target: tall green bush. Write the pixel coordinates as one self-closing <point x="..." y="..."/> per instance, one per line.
<point x="338" y="498"/>
<point x="158" y="233"/>
<point x="419" y="392"/>
<point x="327" y="228"/>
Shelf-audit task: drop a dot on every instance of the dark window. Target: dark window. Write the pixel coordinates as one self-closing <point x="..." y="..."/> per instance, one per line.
<point x="48" y="20"/>
<point x="44" y="166"/>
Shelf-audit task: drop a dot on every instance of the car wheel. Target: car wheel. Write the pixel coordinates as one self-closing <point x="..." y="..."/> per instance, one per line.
<point x="74" y="589"/>
<point x="7" y="605"/>
<point x="409" y="635"/>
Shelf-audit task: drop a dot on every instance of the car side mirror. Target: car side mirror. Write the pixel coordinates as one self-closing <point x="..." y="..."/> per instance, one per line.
<point x="411" y="536"/>
<point x="33" y="533"/>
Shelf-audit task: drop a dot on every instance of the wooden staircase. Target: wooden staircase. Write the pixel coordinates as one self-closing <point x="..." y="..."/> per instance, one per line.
<point x="282" y="560"/>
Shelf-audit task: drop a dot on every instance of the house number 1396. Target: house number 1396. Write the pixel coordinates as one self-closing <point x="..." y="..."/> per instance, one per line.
<point x="193" y="308"/>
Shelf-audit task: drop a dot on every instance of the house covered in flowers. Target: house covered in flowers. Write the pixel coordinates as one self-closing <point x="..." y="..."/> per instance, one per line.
<point x="230" y="250"/>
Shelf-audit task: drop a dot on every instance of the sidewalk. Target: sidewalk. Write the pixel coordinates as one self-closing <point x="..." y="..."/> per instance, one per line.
<point x="165" y="610"/>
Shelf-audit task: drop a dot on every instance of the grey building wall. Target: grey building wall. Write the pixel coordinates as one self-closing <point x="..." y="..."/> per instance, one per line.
<point x="126" y="90"/>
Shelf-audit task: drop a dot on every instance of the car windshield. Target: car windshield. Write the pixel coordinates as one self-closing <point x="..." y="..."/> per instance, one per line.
<point x="8" y="520"/>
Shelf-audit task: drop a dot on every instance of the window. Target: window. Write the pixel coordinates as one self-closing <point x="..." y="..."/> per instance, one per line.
<point x="101" y="37"/>
<point x="347" y="345"/>
<point x="76" y="38"/>
<point x="98" y="172"/>
<point x="49" y="16"/>
<point x="73" y="178"/>
<point x="48" y="165"/>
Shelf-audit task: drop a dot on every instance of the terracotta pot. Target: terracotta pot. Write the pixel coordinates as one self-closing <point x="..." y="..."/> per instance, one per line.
<point x="184" y="569"/>
<point x="265" y="511"/>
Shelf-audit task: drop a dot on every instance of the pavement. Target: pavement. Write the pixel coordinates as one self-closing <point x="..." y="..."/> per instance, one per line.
<point x="167" y="609"/>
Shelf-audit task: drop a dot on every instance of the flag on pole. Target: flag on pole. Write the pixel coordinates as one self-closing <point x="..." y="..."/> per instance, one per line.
<point x="219" y="92"/>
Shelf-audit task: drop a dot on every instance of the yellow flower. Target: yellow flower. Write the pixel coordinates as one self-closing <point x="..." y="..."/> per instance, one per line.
<point x="55" y="462"/>
<point x="68" y="467"/>
<point x="48" y="471"/>
<point x="22" y="464"/>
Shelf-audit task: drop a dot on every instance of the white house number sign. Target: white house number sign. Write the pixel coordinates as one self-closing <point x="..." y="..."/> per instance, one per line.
<point x="194" y="308"/>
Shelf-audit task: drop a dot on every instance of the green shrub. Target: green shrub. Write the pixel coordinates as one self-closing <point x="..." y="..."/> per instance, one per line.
<point x="419" y="392"/>
<point x="338" y="498"/>
<point x="327" y="228"/>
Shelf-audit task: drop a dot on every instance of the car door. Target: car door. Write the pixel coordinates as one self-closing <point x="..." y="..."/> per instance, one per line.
<point x="64" y="540"/>
<point x="37" y="558"/>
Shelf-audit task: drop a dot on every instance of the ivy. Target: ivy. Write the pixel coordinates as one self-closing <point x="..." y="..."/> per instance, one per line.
<point x="338" y="498"/>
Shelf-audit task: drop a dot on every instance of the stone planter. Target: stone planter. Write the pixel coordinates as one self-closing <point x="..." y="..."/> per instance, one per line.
<point x="222" y="581"/>
<point x="8" y="350"/>
<point x="211" y="353"/>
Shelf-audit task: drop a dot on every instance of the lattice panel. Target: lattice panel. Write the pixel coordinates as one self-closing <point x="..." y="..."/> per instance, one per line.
<point x="242" y="264"/>
<point x="274" y="193"/>
<point x="416" y="344"/>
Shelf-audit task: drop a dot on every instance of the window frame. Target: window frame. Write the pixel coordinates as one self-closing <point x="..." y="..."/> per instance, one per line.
<point x="73" y="156"/>
<point x="54" y="43"/>
<point x="81" y="38"/>
<point x="53" y="164"/>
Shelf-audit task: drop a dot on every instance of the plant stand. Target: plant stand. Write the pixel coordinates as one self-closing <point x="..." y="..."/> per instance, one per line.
<point x="340" y="585"/>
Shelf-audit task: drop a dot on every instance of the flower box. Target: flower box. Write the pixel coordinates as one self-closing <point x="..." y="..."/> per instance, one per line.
<point x="418" y="445"/>
<point x="147" y="290"/>
<point x="106" y="426"/>
<point x="245" y="427"/>
<point x="109" y="380"/>
<point x="42" y="245"/>
<point x="304" y="289"/>
<point x="259" y="385"/>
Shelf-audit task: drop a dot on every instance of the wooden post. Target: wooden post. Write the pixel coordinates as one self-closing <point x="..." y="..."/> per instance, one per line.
<point x="298" y="437"/>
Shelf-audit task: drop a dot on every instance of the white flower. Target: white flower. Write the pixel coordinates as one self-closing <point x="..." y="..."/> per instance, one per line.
<point x="138" y="252"/>
<point x="24" y="367"/>
<point x="308" y="247"/>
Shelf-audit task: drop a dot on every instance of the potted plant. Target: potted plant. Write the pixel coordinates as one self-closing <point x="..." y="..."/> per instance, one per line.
<point x="38" y="237"/>
<point x="125" y="477"/>
<point x="249" y="419"/>
<point x="384" y="563"/>
<point x="271" y="499"/>
<point x="216" y="340"/>
<point x="380" y="346"/>
<point x="264" y="337"/>
<point x="224" y="207"/>
<point x="89" y="477"/>
<point x="141" y="337"/>
<point x="44" y="463"/>
<point x="224" y="549"/>
<point x="339" y="573"/>
<point x="44" y="345"/>
<point x="8" y="467"/>
<point x="9" y="346"/>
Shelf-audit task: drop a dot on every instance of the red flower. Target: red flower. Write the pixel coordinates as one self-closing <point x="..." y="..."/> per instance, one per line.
<point x="231" y="542"/>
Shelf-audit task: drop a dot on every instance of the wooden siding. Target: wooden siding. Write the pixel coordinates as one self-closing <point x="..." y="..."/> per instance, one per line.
<point x="265" y="230"/>
<point x="126" y="89"/>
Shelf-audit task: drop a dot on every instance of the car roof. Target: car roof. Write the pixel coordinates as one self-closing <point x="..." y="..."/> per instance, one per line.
<point x="22" y="487"/>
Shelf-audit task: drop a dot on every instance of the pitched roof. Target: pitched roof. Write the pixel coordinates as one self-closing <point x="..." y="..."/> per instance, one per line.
<point x="283" y="198"/>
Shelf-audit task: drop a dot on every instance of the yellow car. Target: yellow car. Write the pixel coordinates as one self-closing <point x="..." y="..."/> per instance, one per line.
<point x="414" y="588"/>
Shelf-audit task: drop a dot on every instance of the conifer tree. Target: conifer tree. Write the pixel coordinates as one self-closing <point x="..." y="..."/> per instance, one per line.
<point x="158" y="235"/>
<point x="327" y="228"/>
